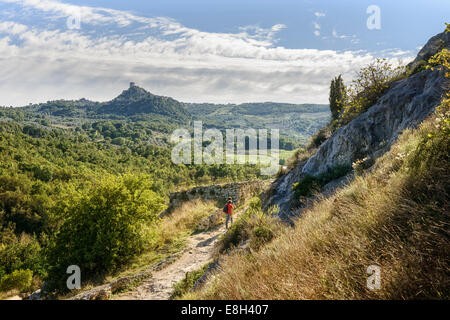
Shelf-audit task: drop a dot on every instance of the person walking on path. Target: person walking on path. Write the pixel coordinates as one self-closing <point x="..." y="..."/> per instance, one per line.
<point x="228" y="209"/>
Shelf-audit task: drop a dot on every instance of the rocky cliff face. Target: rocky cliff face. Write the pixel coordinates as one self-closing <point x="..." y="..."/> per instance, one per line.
<point x="436" y="43"/>
<point x="405" y="104"/>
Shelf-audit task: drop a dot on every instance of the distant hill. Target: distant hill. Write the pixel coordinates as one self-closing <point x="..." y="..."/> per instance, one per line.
<point x="143" y="110"/>
<point x="130" y="102"/>
<point x="137" y="100"/>
<point x="296" y="122"/>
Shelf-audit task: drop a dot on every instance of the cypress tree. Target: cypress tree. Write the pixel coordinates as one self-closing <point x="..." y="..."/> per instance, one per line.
<point x="337" y="96"/>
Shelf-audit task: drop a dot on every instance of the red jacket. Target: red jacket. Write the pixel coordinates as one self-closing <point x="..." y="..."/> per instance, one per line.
<point x="230" y="208"/>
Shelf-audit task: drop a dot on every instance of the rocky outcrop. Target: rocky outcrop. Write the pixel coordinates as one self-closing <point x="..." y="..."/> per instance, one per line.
<point x="436" y="43"/>
<point x="239" y="191"/>
<point x="407" y="103"/>
<point x="404" y="105"/>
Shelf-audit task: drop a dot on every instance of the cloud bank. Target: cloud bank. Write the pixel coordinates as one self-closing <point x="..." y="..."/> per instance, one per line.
<point x="42" y="59"/>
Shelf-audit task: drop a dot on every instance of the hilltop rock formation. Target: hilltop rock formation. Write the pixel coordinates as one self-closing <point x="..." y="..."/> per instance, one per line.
<point x="136" y="100"/>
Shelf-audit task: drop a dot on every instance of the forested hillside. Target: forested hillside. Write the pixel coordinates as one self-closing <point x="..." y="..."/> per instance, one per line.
<point x="67" y="165"/>
<point x="296" y="122"/>
<point x="48" y="170"/>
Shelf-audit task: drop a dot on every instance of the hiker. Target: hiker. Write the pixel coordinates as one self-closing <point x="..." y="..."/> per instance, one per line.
<point x="228" y="209"/>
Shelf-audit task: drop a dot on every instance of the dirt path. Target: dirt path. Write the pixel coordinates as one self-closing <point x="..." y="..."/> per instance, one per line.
<point x="198" y="252"/>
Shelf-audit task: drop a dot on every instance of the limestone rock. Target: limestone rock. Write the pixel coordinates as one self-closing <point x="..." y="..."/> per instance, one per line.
<point x="405" y="105"/>
<point x="436" y="43"/>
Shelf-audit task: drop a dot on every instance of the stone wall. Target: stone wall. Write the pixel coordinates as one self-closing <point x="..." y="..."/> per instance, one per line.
<point x="239" y="191"/>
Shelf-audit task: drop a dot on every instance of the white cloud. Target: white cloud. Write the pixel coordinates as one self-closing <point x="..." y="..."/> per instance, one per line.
<point x="353" y="38"/>
<point x="319" y="14"/>
<point x="115" y="47"/>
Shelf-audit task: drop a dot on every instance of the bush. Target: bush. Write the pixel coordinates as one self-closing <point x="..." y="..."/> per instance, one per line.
<point x="254" y="225"/>
<point x="370" y="84"/>
<point x="22" y="253"/>
<point x="105" y="227"/>
<point x="19" y="279"/>
<point x="310" y="184"/>
<point x="188" y="282"/>
<point x="317" y="139"/>
<point x="421" y="66"/>
<point x="359" y="166"/>
<point x="261" y="235"/>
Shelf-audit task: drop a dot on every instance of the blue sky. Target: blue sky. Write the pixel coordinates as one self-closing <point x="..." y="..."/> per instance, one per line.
<point x="405" y="24"/>
<point x="202" y="51"/>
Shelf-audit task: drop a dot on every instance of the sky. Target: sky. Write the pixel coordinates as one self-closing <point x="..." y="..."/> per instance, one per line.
<point x="201" y="50"/>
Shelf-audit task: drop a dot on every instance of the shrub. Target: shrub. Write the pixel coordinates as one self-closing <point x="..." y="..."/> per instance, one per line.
<point x="306" y="186"/>
<point x="42" y="173"/>
<point x="359" y="166"/>
<point x="255" y="225"/>
<point x="317" y="139"/>
<point x="261" y="235"/>
<point x="309" y="184"/>
<point x="105" y="227"/>
<point x="18" y="279"/>
<point x="188" y="282"/>
<point x="420" y="66"/>
<point x="22" y="253"/>
<point x="370" y="84"/>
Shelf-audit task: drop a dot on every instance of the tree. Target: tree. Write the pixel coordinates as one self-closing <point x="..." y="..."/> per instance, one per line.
<point x="337" y="96"/>
<point x="104" y="227"/>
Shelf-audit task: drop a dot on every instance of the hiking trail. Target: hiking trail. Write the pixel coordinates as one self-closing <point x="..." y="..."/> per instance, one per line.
<point x="198" y="252"/>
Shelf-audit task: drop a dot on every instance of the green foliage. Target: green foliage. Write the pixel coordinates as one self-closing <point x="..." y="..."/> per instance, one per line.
<point x="370" y="84"/>
<point x="254" y="204"/>
<point x="319" y="137"/>
<point x="20" y="253"/>
<point x="54" y="155"/>
<point x="359" y="166"/>
<point x="421" y="66"/>
<point x="136" y="100"/>
<point x="254" y="225"/>
<point x="188" y="282"/>
<point x="18" y="279"/>
<point x="297" y="122"/>
<point x="337" y="96"/>
<point x="105" y="226"/>
<point x="432" y="151"/>
<point x="309" y="184"/>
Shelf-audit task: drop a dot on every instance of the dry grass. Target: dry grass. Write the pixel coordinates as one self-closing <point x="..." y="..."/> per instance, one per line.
<point x="184" y="220"/>
<point x="169" y="237"/>
<point x="396" y="217"/>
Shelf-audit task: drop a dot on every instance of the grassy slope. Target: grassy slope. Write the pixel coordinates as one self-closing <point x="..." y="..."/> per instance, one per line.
<point x="395" y="216"/>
